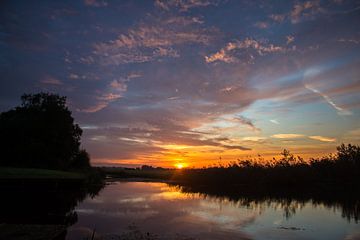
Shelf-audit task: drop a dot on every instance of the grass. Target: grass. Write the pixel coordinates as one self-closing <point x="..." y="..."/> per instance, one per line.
<point x="31" y="231"/>
<point x="32" y="173"/>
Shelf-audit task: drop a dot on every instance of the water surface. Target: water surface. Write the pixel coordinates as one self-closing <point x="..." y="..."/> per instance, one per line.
<point x="167" y="212"/>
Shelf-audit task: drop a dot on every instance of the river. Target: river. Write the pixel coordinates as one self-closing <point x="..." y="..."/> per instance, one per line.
<point x="156" y="210"/>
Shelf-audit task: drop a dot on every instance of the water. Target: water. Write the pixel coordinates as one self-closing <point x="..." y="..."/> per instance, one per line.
<point x="160" y="211"/>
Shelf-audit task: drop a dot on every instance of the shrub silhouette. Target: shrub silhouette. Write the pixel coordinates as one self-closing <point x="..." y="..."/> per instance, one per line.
<point x="349" y="153"/>
<point x="338" y="172"/>
<point x="41" y="133"/>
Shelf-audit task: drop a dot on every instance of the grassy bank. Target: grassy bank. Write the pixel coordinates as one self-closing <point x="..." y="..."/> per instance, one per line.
<point x="35" y="173"/>
<point x="35" y="176"/>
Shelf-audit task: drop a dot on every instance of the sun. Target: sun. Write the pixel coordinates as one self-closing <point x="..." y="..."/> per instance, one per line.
<point x="179" y="165"/>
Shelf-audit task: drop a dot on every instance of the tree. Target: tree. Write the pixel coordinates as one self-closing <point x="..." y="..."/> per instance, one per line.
<point x="41" y="133"/>
<point x="349" y="153"/>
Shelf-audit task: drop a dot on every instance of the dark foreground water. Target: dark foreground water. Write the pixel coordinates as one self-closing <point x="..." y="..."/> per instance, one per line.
<point x="148" y="210"/>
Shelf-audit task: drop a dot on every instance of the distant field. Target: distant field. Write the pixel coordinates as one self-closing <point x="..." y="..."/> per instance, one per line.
<point x="32" y="173"/>
<point x="137" y="173"/>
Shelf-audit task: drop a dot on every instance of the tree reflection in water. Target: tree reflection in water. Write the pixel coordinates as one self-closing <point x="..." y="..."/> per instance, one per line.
<point x="290" y="202"/>
<point x="28" y="208"/>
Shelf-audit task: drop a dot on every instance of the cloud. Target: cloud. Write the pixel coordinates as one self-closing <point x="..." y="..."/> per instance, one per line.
<point x="222" y="56"/>
<point x="247" y="122"/>
<point x="145" y="137"/>
<point x="261" y="25"/>
<point x="234" y="50"/>
<point x="323" y="139"/>
<point x="340" y="110"/>
<point x="114" y="91"/>
<point x="94" y="108"/>
<point x="274" y="121"/>
<point x="236" y="147"/>
<point x="51" y="80"/>
<point x="175" y="99"/>
<point x="118" y="86"/>
<point x="148" y="42"/>
<point x="302" y="10"/>
<point x="289" y="39"/>
<point x="288" y="136"/>
<point x="74" y="76"/>
<point x="350" y="40"/>
<point x="254" y="139"/>
<point x="278" y="17"/>
<point x="95" y="3"/>
<point x="183" y="5"/>
<point x="184" y="20"/>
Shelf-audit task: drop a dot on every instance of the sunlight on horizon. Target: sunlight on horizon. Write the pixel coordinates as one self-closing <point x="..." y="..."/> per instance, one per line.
<point x="180" y="165"/>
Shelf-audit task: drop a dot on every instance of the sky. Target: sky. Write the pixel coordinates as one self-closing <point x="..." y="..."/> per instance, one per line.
<point x="192" y="82"/>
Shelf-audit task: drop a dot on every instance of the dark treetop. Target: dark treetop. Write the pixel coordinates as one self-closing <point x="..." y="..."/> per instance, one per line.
<point x="41" y="133"/>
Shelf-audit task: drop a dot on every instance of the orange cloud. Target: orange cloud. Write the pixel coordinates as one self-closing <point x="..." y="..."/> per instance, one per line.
<point x="287" y="135"/>
<point x="323" y="139"/>
<point x="229" y="53"/>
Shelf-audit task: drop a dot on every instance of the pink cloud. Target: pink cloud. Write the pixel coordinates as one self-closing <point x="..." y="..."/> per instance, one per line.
<point x="228" y="54"/>
<point x="146" y="43"/>
<point x="95" y="3"/>
<point x="51" y="80"/>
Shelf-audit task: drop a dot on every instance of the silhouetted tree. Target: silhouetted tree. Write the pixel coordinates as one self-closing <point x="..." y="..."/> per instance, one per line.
<point x="349" y="153"/>
<point x="41" y="133"/>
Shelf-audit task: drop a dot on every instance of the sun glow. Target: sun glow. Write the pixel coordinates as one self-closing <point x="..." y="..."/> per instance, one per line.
<point x="180" y="165"/>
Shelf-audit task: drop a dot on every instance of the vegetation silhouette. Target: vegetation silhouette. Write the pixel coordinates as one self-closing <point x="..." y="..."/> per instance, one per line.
<point x="340" y="170"/>
<point x="336" y="171"/>
<point x="39" y="138"/>
<point x="332" y="181"/>
<point x="40" y="210"/>
<point x="41" y="133"/>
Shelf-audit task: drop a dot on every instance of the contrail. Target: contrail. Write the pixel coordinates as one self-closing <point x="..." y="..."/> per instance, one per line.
<point x="340" y="110"/>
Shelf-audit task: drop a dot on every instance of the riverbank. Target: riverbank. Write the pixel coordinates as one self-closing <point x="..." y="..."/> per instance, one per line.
<point x="39" y="203"/>
<point x="35" y="173"/>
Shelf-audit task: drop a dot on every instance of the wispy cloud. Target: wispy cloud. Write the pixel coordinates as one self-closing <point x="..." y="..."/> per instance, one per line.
<point x="114" y="91"/>
<point x="254" y="139"/>
<point x="288" y="135"/>
<point x="289" y="39"/>
<point x="96" y="3"/>
<point x="323" y="139"/>
<point x="184" y="5"/>
<point x="147" y="42"/>
<point x="340" y="110"/>
<point x="233" y="51"/>
<point x="306" y="9"/>
<point x="261" y="25"/>
<point x="278" y="17"/>
<point x="247" y="122"/>
<point x="51" y="80"/>
<point x="301" y="10"/>
<point x="274" y="121"/>
<point x="349" y="40"/>
<point x="94" y="108"/>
